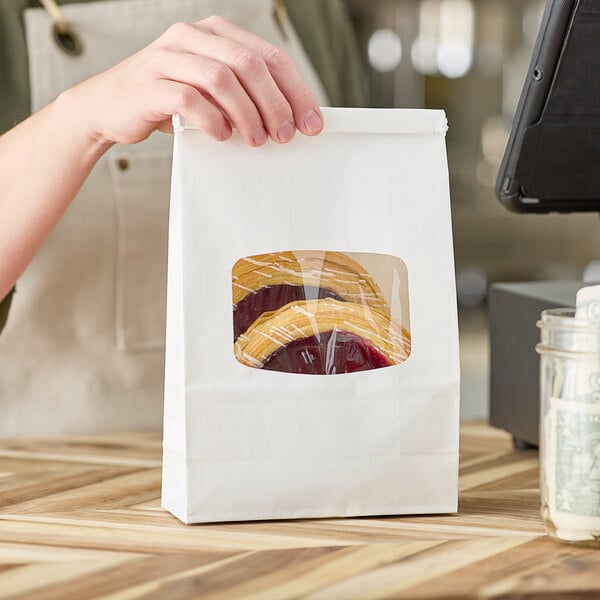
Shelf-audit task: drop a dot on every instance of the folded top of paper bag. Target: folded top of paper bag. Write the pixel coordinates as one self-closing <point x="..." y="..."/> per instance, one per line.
<point x="369" y="120"/>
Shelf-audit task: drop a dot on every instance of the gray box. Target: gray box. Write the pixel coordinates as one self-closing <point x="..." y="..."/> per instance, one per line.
<point x="513" y="310"/>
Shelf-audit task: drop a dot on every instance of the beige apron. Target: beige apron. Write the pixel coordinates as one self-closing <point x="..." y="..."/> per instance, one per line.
<point x="83" y="348"/>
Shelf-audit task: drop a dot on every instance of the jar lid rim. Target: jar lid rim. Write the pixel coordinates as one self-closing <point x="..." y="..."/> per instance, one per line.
<point x="564" y="318"/>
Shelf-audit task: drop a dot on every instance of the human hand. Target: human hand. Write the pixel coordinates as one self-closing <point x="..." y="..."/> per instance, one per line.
<point x="214" y="74"/>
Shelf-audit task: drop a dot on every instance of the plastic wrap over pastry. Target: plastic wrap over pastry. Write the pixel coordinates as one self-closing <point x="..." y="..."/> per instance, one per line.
<point x="317" y="312"/>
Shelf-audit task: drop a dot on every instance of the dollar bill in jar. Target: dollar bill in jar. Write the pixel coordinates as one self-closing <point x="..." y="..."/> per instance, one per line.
<point x="572" y="469"/>
<point x="569" y="349"/>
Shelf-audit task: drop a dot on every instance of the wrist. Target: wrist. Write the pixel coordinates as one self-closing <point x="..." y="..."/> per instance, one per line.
<point x="75" y="118"/>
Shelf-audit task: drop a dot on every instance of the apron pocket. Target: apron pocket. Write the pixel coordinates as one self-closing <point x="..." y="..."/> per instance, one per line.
<point x="141" y="182"/>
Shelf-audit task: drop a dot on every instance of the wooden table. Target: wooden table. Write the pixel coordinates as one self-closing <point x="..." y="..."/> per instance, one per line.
<point x="80" y="517"/>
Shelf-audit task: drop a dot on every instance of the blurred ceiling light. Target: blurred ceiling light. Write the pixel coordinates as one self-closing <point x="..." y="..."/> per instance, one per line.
<point x="429" y="17"/>
<point x="456" y="19"/>
<point x="455" y="52"/>
<point x="385" y="50"/>
<point x="471" y="286"/>
<point x="445" y="41"/>
<point x="423" y="54"/>
<point x="454" y="57"/>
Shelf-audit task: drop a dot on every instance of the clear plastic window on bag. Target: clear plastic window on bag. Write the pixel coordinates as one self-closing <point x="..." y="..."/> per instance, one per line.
<point x="320" y="313"/>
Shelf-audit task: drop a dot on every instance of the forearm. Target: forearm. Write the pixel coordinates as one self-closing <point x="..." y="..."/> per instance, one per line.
<point x="43" y="163"/>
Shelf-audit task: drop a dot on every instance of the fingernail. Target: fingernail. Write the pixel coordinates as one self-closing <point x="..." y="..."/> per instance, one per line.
<point x="260" y="137"/>
<point x="225" y="132"/>
<point x="286" y="132"/>
<point x="312" y="121"/>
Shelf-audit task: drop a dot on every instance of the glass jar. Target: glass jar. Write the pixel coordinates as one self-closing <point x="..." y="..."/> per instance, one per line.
<point x="570" y="426"/>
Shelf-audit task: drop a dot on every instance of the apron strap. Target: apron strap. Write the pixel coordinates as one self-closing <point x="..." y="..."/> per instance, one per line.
<point x="55" y="13"/>
<point x="280" y="16"/>
<point x="64" y="36"/>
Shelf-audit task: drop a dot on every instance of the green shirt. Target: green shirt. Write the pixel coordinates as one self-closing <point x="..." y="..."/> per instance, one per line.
<point x="323" y="27"/>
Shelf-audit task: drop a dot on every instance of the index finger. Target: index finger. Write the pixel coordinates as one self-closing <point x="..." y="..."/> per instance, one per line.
<point x="307" y="116"/>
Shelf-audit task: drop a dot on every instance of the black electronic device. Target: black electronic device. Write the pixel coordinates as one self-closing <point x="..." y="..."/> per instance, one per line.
<point x="514" y="309"/>
<point x="552" y="159"/>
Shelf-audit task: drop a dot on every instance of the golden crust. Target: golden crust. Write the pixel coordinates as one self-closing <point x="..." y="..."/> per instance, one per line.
<point x="333" y="271"/>
<point x="297" y="320"/>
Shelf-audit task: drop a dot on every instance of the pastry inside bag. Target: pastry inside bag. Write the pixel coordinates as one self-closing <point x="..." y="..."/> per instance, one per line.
<point x="312" y="355"/>
<point x="314" y="312"/>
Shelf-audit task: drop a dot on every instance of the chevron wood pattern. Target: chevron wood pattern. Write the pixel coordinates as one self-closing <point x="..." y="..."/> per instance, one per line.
<point x="80" y="517"/>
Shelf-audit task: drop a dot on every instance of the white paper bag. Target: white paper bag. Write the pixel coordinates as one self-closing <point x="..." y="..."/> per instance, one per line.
<point x="244" y="443"/>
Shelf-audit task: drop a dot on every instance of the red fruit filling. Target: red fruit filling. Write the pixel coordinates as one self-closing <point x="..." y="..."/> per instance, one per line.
<point x="326" y="354"/>
<point x="270" y="298"/>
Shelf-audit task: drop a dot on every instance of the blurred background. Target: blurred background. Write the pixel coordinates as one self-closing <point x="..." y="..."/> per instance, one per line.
<point x="470" y="58"/>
